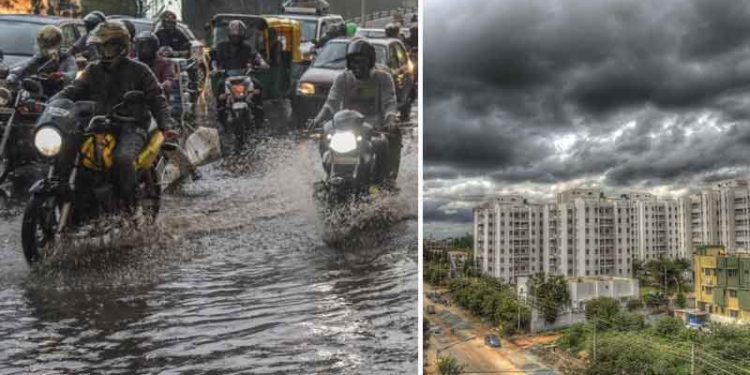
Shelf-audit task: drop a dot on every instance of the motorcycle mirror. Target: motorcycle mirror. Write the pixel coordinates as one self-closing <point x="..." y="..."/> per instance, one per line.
<point x="31" y="86"/>
<point x="4" y="70"/>
<point x="133" y="96"/>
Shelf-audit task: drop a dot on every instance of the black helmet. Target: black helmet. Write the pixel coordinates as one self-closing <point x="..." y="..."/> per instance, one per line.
<point x="391" y="30"/>
<point x="146" y="46"/>
<point x="360" y="58"/>
<point x="93" y="19"/>
<point x="131" y="28"/>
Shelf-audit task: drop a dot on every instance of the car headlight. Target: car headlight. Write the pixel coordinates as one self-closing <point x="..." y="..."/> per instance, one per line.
<point x="48" y="141"/>
<point x="306" y="89"/>
<point x="343" y="142"/>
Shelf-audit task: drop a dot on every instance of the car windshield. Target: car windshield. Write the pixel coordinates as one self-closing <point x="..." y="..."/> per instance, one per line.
<point x="332" y="56"/>
<point x="309" y="29"/>
<point x="370" y="33"/>
<point x="18" y="38"/>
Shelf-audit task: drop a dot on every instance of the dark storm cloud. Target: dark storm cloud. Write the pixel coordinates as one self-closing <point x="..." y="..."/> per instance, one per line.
<point x="434" y="211"/>
<point x="622" y="93"/>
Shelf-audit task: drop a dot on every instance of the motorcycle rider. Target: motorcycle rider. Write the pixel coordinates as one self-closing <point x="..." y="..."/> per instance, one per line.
<point x="237" y="54"/>
<point x="170" y="35"/>
<point x="105" y="82"/>
<point x="90" y="21"/>
<point x="60" y="66"/>
<point x="146" y="50"/>
<point x="371" y="91"/>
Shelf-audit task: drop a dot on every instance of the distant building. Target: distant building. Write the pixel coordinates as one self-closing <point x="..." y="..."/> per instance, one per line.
<point x="583" y="289"/>
<point x="722" y="284"/>
<point x="585" y="233"/>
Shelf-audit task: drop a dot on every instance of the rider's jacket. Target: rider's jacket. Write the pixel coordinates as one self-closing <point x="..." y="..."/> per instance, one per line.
<point x="374" y="98"/>
<point x="232" y="57"/>
<point x="165" y="71"/>
<point x="175" y="39"/>
<point x="106" y="84"/>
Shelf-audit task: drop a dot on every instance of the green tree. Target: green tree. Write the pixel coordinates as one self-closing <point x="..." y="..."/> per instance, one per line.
<point x="680" y="301"/>
<point x="602" y="308"/>
<point x="550" y="294"/>
<point x="449" y="366"/>
<point x="668" y="326"/>
<point x="634" y="304"/>
<point x="655" y="299"/>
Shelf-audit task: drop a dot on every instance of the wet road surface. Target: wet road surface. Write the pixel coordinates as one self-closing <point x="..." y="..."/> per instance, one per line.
<point x="236" y="278"/>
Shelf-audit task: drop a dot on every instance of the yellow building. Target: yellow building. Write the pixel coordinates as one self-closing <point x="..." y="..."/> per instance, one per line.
<point x="722" y="284"/>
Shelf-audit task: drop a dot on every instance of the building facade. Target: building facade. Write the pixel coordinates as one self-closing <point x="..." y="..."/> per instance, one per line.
<point x="585" y="233"/>
<point x="722" y="284"/>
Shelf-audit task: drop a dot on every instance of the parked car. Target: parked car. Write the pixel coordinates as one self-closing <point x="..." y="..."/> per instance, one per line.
<point x="315" y="84"/>
<point x="492" y="341"/>
<point x="18" y="36"/>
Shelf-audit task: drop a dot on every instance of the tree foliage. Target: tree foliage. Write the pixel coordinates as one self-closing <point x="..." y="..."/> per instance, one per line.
<point x="449" y="366"/>
<point x="550" y="295"/>
<point x="490" y="300"/>
<point x="602" y="308"/>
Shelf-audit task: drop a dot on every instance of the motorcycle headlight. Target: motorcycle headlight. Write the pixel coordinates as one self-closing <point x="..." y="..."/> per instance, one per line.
<point x="343" y="142"/>
<point x="48" y="141"/>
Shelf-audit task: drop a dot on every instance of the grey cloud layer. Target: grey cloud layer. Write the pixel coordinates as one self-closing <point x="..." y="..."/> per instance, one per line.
<point x="645" y="93"/>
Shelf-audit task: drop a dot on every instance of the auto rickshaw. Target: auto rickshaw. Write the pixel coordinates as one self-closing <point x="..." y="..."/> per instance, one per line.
<point x="276" y="39"/>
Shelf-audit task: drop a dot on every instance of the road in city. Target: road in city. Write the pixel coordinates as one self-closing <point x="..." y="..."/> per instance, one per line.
<point x="462" y="337"/>
<point x="238" y="275"/>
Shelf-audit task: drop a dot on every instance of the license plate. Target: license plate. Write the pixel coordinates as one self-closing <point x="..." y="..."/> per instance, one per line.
<point x="6" y="111"/>
<point x="345" y="159"/>
<point x="239" y="105"/>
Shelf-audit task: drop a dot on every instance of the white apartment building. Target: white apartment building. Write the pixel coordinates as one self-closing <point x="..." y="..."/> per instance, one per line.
<point x="585" y="233"/>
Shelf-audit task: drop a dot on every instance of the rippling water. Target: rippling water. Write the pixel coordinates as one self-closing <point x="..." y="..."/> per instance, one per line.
<point x="236" y="278"/>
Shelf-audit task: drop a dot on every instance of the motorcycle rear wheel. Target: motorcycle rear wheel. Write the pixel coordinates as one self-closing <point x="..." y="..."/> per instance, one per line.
<point x="40" y="222"/>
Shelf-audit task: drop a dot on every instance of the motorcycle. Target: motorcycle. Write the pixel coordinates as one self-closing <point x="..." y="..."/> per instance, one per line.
<point x="239" y="96"/>
<point x="353" y="156"/>
<point x="79" y="186"/>
<point x="183" y="100"/>
<point x="21" y="104"/>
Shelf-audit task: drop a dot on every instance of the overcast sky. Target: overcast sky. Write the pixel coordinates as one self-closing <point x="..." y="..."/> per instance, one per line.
<point x="536" y="96"/>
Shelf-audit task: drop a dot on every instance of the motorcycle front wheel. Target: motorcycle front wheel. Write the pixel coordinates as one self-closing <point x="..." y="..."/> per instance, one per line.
<point x="40" y="222"/>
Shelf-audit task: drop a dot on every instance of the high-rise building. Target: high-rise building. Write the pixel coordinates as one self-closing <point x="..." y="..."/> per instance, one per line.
<point x="585" y="233"/>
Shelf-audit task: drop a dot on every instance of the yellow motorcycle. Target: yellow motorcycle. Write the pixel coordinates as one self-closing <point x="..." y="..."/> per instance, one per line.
<point x="79" y="186"/>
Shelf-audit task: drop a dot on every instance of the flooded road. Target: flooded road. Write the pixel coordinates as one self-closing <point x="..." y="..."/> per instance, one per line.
<point x="236" y="278"/>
